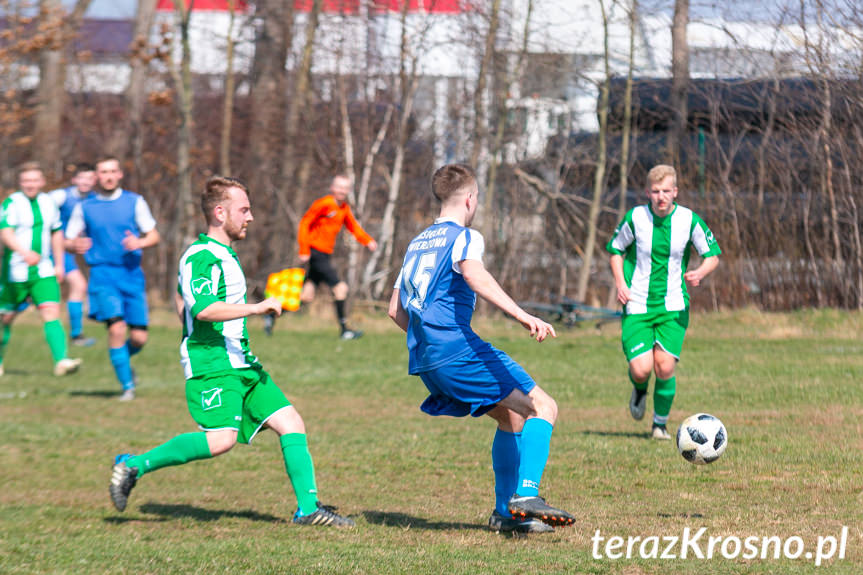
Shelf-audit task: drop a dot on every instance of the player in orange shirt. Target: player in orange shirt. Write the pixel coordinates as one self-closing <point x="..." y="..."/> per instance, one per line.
<point x="317" y="238"/>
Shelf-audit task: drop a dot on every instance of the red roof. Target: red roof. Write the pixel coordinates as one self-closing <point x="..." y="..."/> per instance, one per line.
<point x="205" y="5"/>
<point x="336" y="6"/>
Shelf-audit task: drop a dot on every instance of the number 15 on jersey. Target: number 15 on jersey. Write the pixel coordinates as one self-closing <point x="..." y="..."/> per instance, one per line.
<point x="417" y="273"/>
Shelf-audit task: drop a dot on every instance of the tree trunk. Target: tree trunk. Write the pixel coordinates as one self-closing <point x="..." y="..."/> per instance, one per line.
<point x="183" y="82"/>
<point x="228" y="109"/>
<point x="679" y="79"/>
<point x="267" y="132"/>
<point x="299" y="108"/>
<point x="626" y="136"/>
<point x="599" y="175"/>
<point x="481" y="98"/>
<point x="127" y="139"/>
<point x="408" y="80"/>
<point x="363" y="190"/>
<point x="503" y="89"/>
<point x="58" y="28"/>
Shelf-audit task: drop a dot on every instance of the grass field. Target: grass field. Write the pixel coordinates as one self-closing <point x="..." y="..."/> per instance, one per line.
<point x="788" y="388"/>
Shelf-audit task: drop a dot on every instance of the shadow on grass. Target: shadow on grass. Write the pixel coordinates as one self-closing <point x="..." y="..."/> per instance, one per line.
<point x="94" y="393"/>
<point x="404" y="521"/>
<point x="133" y="519"/>
<point x="638" y="434"/>
<point x="200" y="514"/>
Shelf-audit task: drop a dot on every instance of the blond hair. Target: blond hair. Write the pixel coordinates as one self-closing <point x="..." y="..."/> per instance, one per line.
<point x="660" y="172"/>
<point x="29" y="167"/>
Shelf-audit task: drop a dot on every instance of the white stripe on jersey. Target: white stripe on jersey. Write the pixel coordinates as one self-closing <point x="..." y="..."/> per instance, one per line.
<point x="681" y="224"/>
<point x="699" y="240"/>
<point x="19" y="215"/>
<point x="469" y="245"/>
<point x="642" y="220"/>
<point x="235" y="293"/>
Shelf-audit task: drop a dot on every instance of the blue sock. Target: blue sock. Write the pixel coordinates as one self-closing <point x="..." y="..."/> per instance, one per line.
<point x="133" y="350"/>
<point x="120" y="360"/>
<point x="76" y="316"/>
<point x="504" y="461"/>
<point x="535" y="442"/>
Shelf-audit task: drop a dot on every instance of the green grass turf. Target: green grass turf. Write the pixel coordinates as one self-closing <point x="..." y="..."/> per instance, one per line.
<point x="786" y="386"/>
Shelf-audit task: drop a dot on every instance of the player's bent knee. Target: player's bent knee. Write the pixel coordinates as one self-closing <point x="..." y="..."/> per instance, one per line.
<point x="664" y="366"/>
<point x="49" y="311"/>
<point x="340" y="290"/>
<point x="544" y="405"/>
<point x="640" y="367"/>
<point x="138" y="335"/>
<point x="287" y="420"/>
<point x="221" y="441"/>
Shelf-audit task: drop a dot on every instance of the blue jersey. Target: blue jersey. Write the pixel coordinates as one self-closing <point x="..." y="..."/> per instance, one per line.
<point x="437" y="299"/>
<point x="66" y="199"/>
<point x="107" y="220"/>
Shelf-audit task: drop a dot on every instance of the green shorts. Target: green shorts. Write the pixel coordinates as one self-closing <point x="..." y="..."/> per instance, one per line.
<point x="641" y="331"/>
<point x="242" y="399"/>
<point x="41" y="291"/>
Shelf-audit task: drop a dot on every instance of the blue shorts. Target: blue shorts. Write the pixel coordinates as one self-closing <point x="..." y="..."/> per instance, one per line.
<point x="69" y="262"/>
<point x="116" y="291"/>
<point x="474" y="383"/>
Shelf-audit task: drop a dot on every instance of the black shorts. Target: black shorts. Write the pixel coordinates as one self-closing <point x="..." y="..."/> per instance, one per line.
<point x="321" y="269"/>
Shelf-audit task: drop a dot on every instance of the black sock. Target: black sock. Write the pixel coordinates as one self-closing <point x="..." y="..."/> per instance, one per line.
<point x="340" y="313"/>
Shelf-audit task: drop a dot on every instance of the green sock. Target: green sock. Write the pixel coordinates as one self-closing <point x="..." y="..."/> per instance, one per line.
<point x="55" y="335"/>
<point x="177" y="451"/>
<point x="4" y="339"/>
<point x="301" y="470"/>
<point x="639" y="385"/>
<point x="663" y="396"/>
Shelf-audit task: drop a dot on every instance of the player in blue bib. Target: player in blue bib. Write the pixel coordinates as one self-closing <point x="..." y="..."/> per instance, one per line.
<point x="111" y="228"/>
<point x="433" y="302"/>
<point x="66" y="199"/>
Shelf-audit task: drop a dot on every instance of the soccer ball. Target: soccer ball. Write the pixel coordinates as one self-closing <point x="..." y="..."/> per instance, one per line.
<point x="701" y="438"/>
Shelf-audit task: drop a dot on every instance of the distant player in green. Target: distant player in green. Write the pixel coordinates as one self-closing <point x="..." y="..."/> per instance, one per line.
<point x="229" y="394"/>
<point x="31" y="233"/>
<point x="649" y="258"/>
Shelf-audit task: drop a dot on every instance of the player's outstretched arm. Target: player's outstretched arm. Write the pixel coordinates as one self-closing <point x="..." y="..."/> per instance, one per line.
<point x="708" y="264"/>
<point x="221" y="311"/>
<point x="484" y="284"/>
<point x="396" y="312"/>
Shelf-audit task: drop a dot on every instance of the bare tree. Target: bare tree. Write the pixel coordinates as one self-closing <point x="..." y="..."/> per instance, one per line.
<point x="481" y="96"/>
<point x="409" y="52"/>
<point x="679" y="79"/>
<point x="228" y="108"/>
<point x="267" y="131"/>
<point x="57" y="28"/>
<point x="626" y="135"/>
<point x="601" y="163"/>
<point x="127" y="139"/>
<point x="183" y="85"/>
<point x="296" y="175"/>
<point x="503" y="89"/>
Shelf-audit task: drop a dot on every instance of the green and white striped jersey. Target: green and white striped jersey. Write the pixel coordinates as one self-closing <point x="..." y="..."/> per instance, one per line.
<point x="210" y="272"/>
<point x="33" y="222"/>
<point x="656" y="254"/>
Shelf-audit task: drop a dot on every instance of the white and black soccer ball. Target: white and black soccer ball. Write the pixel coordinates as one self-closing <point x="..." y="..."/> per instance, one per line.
<point x="701" y="438"/>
